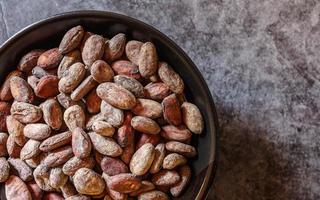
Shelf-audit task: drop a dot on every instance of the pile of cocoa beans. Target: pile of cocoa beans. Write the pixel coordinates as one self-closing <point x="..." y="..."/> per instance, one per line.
<point x="95" y="118"/>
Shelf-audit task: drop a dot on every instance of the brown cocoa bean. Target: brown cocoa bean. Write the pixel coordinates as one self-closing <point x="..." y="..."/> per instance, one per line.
<point x="15" y="128"/>
<point x="86" y="181"/>
<point x="72" y="78"/>
<point x="12" y="147"/>
<point x="58" y="156"/>
<point x="115" y="47"/>
<point x="153" y="195"/>
<point x="30" y="149"/>
<point x="146" y="186"/>
<point x="68" y="60"/>
<point x="183" y="149"/>
<point x="81" y="143"/>
<point x="116" y="95"/>
<point x="142" y="159"/>
<point x="101" y="71"/>
<point x="68" y="190"/>
<point x="128" y="152"/>
<point x="5" y="92"/>
<point x="104" y="145"/>
<point x="21" y="90"/>
<point x="4" y="112"/>
<point x="66" y="101"/>
<point x="47" y="86"/>
<point x="93" y="102"/>
<point x="3" y="144"/>
<point x="124" y="183"/>
<point x="16" y="189"/>
<point x="41" y="176"/>
<point x="185" y="174"/>
<point x="71" y="40"/>
<point x="93" y="49"/>
<point x="35" y="161"/>
<point x="113" y="166"/>
<point x="112" y="115"/>
<point x="147" y="108"/>
<point x="57" y="178"/>
<point x="165" y="178"/>
<point x="52" y="113"/>
<point x="112" y="193"/>
<point x="49" y="59"/>
<point x="20" y="168"/>
<point x="145" y="125"/>
<point x="56" y="141"/>
<point x="37" y="131"/>
<point x="170" y="78"/>
<point x="148" y="138"/>
<point x="74" y="117"/>
<point x="160" y="152"/>
<point x="148" y="60"/>
<point x="29" y="60"/>
<point x="133" y="51"/>
<point x="25" y="113"/>
<point x="4" y="169"/>
<point x="192" y="117"/>
<point x="171" y="110"/>
<point x="103" y="128"/>
<point x="91" y="119"/>
<point x="180" y="133"/>
<point x="84" y="88"/>
<point x="124" y="67"/>
<point x="125" y="135"/>
<point x="131" y="84"/>
<point x="75" y="163"/>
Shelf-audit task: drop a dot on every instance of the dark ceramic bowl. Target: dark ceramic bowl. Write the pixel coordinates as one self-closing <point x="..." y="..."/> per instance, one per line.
<point x="48" y="33"/>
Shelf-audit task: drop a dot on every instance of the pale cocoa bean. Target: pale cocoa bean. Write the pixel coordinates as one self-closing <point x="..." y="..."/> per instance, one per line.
<point x="3" y="144"/>
<point x="133" y="51"/>
<point x="16" y="189"/>
<point x="25" y="113"/>
<point x="74" y="117"/>
<point x="72" y="78"/>
<point x="116" y="95"/>
<point x="30" y="149"/>
<point x="104" y="145"/>
<point x="58" y="156"/>
<point x="57" y="178"/>
<point x="142" y="159"/>
<point x="173" y="160"/>
<point x="56" y="141"/>
<point x="4" y="169"/>
<point x="33" y="81"/>
<point x="41" y="176"/>
<point x="192" y="117"/>
<point x="35" y="161"/>
<point x="81" y="143"/>
<point x="93" y="49"/>
<point x="68" y="60"/>
<point x="75" y="163"/>
<point x="146" y="186"/>
<point x="5" y="92"/>
<point x="68" y="190"/>
<point x="12" y="147"/>
<point x="93" y="102"/>
<point x="112" y="115"/>
<point x="124" y="67"/>
<point x="131" y="84"/>
<point x="15" y="128"/>
<point x="86" y="181"/>
<point x="148" y="60"/>
<point x="37" y="131"/>
<point x="103" y="128"/>
<point x="21" y="90"/>
<point x="148" y="138"/>
<point x="183" y="149"/>
<point x="165" y="178"/>
<point x="71" y="40"/>
<point x="171" y="110"/>
<point x="160" y="152"/>
<point x="145" y="125"/>
<point x="52" y="113"/>
<point x="101" y="71"/>
<point x="115" y="47"/>
<point x="49" y="59"/>
<point x="124" y="183"/>
<point x="83" y="89"/>
<point x="35" y="190"/>
<point x="170" y="78"/>
<point x="20" y="168"/>
<point x="147" y="108"/>
<point x="185" y="174"/>
<point x="47" y="87"/>
<point x="153" y="195"/>
<point x="29" y="60"/>
<point x="180" y="133"/>
<point x="113" y="166"/>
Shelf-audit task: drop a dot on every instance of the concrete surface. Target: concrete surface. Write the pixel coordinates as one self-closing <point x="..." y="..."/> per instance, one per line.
<point x="261" y="60"/>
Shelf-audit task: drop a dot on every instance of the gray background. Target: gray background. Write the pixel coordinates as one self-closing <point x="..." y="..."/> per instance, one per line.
<point x="260" y="59"/>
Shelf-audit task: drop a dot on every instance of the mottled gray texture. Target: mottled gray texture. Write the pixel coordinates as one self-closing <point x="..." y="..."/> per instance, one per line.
<point x="261" y="60"/>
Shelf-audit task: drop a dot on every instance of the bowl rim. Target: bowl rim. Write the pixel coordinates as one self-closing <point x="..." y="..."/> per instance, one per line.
<point x="214" y="156"/>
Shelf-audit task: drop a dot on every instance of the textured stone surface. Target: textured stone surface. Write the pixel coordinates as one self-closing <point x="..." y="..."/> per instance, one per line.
<point x="261" y="60"/>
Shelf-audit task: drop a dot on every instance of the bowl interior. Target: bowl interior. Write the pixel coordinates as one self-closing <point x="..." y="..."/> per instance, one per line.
<point x="48" y="33"/>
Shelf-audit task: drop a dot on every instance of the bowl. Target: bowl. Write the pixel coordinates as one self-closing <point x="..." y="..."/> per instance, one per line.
<point x="48" y="33"/>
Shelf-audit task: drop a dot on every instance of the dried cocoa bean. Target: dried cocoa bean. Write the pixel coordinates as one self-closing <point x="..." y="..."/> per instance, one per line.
<point x="192" y="117"/>
<point x="25" y="113"/>
<point x="101" y="71"/>
<point x="115" y="47"/>
<point x="93" y="49"/>
<point x="145" y="125"/>
<point x="29" y="60"/>
<point x="86" y="181"/>
<point x="133" y="51"/>
<point x="52" y="113"/>
<point x="148" y="60"/>
<point x="37" y="131"/>
<point x="142" y="159"/>
<point x="81" y="143"/>
<point x="21" y="90"/>
<point x="71" y="40"/>
<point x="47" y="86"/>
<point x="75" y="163"/>
<point x="147" y="108"/>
